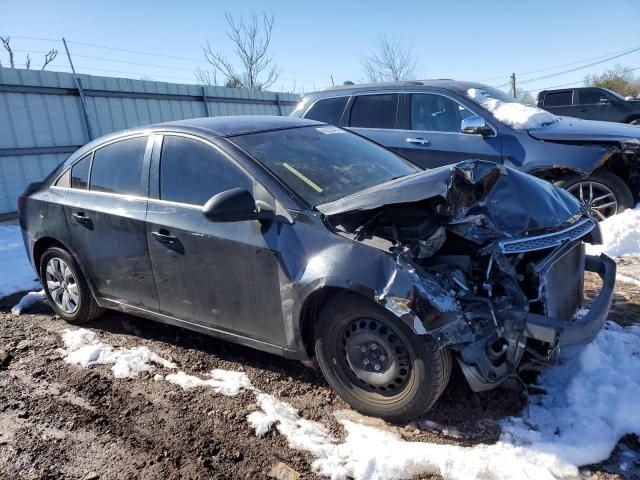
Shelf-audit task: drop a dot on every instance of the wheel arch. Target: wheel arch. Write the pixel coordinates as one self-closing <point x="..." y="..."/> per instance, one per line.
<point x="44" y="243"/>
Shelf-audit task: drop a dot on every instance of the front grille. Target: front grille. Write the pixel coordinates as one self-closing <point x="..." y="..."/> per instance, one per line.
<point x="549" y="240"/>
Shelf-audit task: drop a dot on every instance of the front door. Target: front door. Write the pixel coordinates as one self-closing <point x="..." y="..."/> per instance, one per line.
<point x="219" y="275"/>
<point x="106" y="209"/>
<point x="432" y="136"/>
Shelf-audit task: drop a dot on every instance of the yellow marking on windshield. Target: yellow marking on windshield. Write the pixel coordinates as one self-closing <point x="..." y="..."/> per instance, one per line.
<point x="313" y="185"/>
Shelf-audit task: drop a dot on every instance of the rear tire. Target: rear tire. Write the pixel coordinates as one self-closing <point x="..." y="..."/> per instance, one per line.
<point x="612" y="182"/>
<point x="66" y="288"/>
<point x="376" y="363"/>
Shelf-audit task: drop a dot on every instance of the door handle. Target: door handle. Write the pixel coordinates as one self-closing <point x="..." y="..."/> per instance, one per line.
<point x="418" y="141"/>
<point x="81" y="218"/>
<point x="163" y="236"/>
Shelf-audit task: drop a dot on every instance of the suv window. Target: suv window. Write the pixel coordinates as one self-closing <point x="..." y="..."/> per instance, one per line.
<point x="591" y="96"/>
<point x="80" y="173"/>
<point x="193" y="172"/>
<point x="117" y="168"/>
<point x="436" y="113"/>
<point x="374" y="111"/>
<point x="558" y="99"/>
<point x="328" y="110"/>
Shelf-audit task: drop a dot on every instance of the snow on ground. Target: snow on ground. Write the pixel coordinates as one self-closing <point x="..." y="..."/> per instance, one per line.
<point x="590" y="403"/>
<point x="16" y="273"/>
<point x="221" y="381"/>
<point x="29" y="299"/>
<point x="620" y="235"/>
<point x="514" y="114"/>
<point x="83" y="349"/>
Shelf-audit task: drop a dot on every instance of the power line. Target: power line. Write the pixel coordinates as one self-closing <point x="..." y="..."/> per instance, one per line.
<point x="562" y="65"/>
<point x="564" y="84"/>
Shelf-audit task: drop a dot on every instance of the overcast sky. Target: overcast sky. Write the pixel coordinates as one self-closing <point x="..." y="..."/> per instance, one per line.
<point x="312" y="41"/>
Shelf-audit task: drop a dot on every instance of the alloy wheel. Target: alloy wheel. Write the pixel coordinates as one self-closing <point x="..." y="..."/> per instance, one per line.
<point x="62" y="285"/>
<point x="597" y="197"/>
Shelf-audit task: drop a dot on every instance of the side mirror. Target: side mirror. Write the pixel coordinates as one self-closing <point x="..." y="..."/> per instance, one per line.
<point x="604" y="101"/>
<point x="236" y="205"/>
<point x="475" y="126"/>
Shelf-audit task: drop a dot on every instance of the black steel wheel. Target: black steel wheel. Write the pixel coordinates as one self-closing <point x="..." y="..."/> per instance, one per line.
<point x="376" y="363"/>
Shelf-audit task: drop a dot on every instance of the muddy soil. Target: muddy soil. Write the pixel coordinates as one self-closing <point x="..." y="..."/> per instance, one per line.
<point x="62" y="421"/>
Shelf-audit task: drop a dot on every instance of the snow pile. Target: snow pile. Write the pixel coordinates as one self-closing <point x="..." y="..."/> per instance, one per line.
<point x="620" y="235"/>
<point x="83" y="349"/>
<point x="514" y="114"/>
<point x="301" y="434"/>
<point x="222" y="381"/>
<point x="17" y="273"/>
<point x="591" y="401"/>
<point x="29" y="299"/>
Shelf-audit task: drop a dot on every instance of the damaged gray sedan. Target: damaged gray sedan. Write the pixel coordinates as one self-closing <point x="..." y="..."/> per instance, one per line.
<point x="304" y="240"/>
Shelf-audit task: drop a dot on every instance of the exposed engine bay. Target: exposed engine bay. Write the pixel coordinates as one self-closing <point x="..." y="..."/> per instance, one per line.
<point x="488" y="277"/>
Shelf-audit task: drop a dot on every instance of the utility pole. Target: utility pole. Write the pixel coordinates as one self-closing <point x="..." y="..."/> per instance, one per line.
<point x="83" y="102"/>
<point x="513" y="85"/>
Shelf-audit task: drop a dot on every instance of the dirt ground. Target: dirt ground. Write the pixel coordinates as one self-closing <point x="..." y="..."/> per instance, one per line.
<point x="62" y="421"/>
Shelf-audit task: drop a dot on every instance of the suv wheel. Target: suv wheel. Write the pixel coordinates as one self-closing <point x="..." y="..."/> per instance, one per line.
<point x="376" y="363"/>
<point x="635" y="122"/>
<point x="66" y="287"/>
<point x="603" y="192"/>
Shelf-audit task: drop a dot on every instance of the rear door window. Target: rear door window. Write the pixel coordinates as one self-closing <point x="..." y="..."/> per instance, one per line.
<point x="192" y="172"/>
<point x="80" y="173"/>
<point x="375" y="111"/>
<point x="328" y="110"/>
<point x="558" y="99"/>
<point x="117" y="168"/>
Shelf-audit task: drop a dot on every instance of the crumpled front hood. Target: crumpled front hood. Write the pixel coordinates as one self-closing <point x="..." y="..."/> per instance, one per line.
<point x="482" y="200"/>
<point x="570" y="129"/>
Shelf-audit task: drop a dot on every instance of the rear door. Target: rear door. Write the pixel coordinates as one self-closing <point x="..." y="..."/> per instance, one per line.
<point x="561" y="103"/>
<point x="223" y="276"/>
<point x="106" y="209"/>
<point x="431" y="137"/>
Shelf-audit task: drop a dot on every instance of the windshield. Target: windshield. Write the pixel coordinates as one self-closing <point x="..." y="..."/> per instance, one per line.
<point x="510" y="111"/>
<point x="324" y="163"/>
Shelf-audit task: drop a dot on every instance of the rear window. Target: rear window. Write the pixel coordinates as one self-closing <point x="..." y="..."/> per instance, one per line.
<point x="80" y="173"/>
<point x="328" y="110"/>
<point x="558" y="99"/>
<point x="374" y="111"/>
<point x="117" y="168"/>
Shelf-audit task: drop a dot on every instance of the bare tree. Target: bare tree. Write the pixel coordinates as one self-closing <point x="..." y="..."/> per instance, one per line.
<point x="6" y="42"/>
<point x="206" y="77"/>
<point x="48" y="58"/>
<point x="390" y="61"/>
<point x="251" y="42"/>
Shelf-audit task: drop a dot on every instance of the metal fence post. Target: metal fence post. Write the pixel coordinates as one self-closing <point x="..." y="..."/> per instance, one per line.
<point x="83" y="103"/>
<point x="279" y="104"/>
<point x="204" y="99"/>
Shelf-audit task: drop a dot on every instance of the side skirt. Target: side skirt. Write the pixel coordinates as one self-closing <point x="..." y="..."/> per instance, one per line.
<point x="214" y="332"/>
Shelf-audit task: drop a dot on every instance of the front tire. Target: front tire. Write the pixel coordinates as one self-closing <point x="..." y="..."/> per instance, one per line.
<point x="603" y="192"/>
<point x="66" y="287"/>
<point x="376" y="363"/>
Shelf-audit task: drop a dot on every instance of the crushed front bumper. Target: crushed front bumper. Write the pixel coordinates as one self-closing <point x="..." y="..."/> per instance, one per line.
<point x="583" y="330"/>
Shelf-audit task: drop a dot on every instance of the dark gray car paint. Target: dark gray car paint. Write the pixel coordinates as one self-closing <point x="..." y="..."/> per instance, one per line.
<point x="252" y="282"/>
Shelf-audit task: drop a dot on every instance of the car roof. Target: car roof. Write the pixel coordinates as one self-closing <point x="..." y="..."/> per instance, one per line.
<point x="227" y="126"/>
<point x="443" y="83"/>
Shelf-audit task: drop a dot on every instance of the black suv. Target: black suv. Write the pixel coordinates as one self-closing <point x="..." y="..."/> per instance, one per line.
<point x="591" y="103"/>
<point x="440" y="122"/>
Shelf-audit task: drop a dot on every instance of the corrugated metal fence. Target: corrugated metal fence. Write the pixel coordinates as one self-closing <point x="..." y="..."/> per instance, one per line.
<point x="41" y="117"/>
